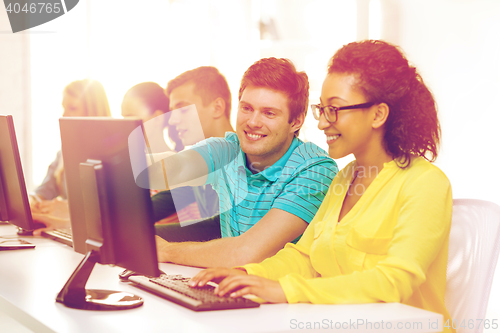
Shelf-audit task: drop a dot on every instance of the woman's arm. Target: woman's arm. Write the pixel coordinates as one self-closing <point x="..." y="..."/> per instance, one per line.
<point x="420" y="240"/>
<point x="292" y="258"/>
<point x="48" y="188"/>
<point x="419" y="237"/>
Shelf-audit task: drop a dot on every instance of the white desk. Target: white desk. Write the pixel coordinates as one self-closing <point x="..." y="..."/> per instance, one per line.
<point x="30" y="280"/>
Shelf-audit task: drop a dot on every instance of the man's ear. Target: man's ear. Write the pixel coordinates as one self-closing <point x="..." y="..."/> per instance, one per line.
<point x="298" y="122"/>
<point x="157" y="113"/>
<point x="154" y="114"/>
<point x="380" y="115"/>
<point x="219" y="108"/>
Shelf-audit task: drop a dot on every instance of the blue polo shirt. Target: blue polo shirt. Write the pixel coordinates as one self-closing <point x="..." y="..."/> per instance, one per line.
<point x="296" y="183"/>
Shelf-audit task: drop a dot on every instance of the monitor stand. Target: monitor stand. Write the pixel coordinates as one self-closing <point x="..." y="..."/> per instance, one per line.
<point x="74" y="294"/>
<point x="99" y="249"/>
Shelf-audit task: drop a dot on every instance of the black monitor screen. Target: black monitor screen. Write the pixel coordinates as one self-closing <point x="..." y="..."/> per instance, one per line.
<point x="14" y="204"/>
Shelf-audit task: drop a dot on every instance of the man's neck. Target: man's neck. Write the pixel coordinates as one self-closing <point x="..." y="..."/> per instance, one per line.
<point x="221" y="127"/>
<point x="257" y="164"/>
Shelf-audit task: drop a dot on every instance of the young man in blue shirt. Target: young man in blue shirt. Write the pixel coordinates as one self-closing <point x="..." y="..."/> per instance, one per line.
<point x="206" y="88"/>
<point x="270" y="184"/>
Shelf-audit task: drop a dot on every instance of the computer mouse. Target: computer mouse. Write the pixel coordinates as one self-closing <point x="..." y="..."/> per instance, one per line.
<point x="128" y="273"/>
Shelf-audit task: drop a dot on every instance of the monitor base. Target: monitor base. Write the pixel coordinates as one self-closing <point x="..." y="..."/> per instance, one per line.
<point x="96" y="299"/>
<point x="74" y="295"/>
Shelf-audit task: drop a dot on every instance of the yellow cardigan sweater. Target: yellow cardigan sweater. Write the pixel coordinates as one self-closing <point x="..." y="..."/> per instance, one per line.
<point x="391" y="247"/>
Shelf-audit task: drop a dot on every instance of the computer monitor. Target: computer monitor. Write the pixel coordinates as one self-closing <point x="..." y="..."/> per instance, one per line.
<point x="14" y="204"/>
<point x="108" y="211"/>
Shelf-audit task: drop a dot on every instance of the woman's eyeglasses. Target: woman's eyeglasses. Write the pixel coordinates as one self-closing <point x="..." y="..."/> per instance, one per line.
<point x="331" y="111"/>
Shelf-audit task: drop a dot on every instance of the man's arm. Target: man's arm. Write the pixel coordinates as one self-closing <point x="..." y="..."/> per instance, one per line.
<point x="164" y="205"/>
<point x="261" y="241"/>
<point x="171" y="170"/>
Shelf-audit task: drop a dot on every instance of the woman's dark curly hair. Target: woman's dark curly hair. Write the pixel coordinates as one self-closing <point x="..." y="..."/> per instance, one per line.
<point x="384" y="76"/>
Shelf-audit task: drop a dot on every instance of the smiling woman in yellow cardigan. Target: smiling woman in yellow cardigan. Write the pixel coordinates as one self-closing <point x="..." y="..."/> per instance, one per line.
<point x="382" y="250"/>
<point x="381" y="234"/>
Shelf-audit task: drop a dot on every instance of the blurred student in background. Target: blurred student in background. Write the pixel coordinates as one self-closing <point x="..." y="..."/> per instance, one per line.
<point x="207" y="89"/>
<point x="82" y="98"/>
<point x="147" y="101"/>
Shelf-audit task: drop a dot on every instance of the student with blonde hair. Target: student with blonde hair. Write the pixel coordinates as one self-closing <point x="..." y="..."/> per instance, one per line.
<point x="82" y="98"/>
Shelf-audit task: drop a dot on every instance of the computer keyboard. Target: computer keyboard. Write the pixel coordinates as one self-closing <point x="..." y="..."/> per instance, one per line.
<point x="175" y="288"/>
<point x="60" y="235"/>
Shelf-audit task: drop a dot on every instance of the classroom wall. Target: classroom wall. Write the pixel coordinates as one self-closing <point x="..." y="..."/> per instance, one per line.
<point x="456" y="47"/>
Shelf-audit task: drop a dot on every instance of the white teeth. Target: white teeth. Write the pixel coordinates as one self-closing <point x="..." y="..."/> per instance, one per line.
<point x="254" y="136"/>
<point x="332" y="137"/>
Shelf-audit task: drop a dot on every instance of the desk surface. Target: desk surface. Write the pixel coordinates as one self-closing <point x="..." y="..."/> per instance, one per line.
<point x="31" y="278"/>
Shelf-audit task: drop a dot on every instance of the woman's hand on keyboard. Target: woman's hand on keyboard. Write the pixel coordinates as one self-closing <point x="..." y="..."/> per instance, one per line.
<point x="241" y="285"/>
<point x="237" y="283"/>
<point x="215" y="275"/>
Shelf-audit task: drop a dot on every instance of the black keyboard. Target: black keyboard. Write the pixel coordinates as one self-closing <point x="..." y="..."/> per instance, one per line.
<point x="175" y="288"/>
<point x="61" y="235"/>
